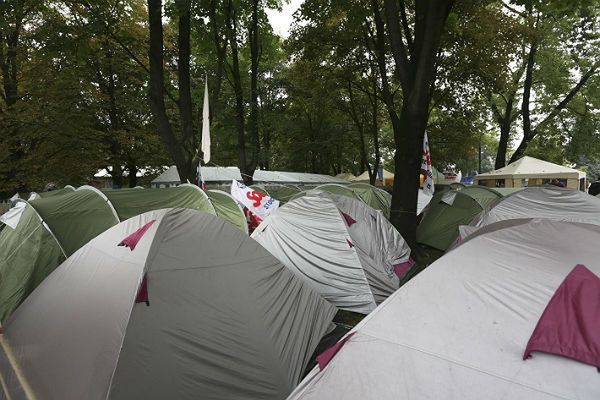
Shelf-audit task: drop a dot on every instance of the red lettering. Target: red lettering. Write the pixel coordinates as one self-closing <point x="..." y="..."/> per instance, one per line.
<point x="256" y="197"/>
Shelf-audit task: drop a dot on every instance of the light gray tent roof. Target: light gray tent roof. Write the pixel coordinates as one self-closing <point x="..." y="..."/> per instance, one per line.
<point x="351" y="265"/>
<point x="227" y="174"/>
<point x="549" y="202"/>
<point x="225" y="319"/>
<point x="459" y="329"/>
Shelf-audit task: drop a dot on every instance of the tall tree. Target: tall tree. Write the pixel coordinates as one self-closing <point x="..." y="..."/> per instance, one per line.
<point x="414" y="52"/>
<point x="180" y="147"/>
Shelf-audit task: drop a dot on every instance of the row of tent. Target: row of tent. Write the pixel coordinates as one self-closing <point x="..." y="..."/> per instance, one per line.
<point x="479" y="205"/>
<point x="511" y="311"/>
<point x="175" y="302"/>
<point x="172" y="303"/>
<point x="51" y="227"/>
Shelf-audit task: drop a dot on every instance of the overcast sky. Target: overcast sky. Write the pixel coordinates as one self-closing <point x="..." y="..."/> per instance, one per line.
<point x="281" y="21"/>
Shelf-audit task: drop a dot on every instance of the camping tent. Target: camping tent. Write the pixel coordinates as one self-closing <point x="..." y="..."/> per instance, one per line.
<point x="228" y="208"/>
<point x="459" y="330"/>
<point x="450" y="209"/>
<point x="222" y="177"/>
<point x="283" y="193"/>
<point x="548" y="202"/>
<point x="346" y="250"/>
<point x="370" y="195"/>
<point x="189" y="307"/>
<point x="51" y="193"/>
<point x="388" y="178"/>
<point x="47" y="230"/>
<point x="529" y="171"/>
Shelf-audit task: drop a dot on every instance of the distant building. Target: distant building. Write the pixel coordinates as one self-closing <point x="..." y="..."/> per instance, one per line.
<point x="222" y="177"/>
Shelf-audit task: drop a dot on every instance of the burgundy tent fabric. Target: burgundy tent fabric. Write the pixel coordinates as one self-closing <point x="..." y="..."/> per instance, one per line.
<point x="132" y="240"/>
<point x="349" y="220"/>
<point x="401" y="269"/>
<point x="326" y="356"/>
<point x="570" y="324"/>
<point x="142" y="294"/>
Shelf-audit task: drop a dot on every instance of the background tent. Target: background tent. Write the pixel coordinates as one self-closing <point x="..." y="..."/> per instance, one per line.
<point x="548" y="202"/>
<point x="467" y="339"/>
<point x="222" y="317"/>
<point x="370" y="195"/>
<point x="450" y="209"/>
<point x="221" y="177"/>
<point x="529" y="171"/>
<point x="346" y="250"/>
<point x="51" y="229"/>
<point x="228" y="208"/>
<point x="51" y="193"/>
<point x="283" y="193"/>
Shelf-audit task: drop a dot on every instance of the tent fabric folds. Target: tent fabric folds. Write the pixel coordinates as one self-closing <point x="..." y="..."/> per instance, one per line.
<point x="224" y="319"/>
<point x="350" y="264"/>
<point x="450" y="209"/>
<point x="466" y="340"/>
<point x="51" y="228"/>
<point x="549" y="202"/>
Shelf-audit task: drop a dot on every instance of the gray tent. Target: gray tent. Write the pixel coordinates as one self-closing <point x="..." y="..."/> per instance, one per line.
<point x="549" y="202"/>
<point x="191" y="308"/>
<point x="346" y="250"/>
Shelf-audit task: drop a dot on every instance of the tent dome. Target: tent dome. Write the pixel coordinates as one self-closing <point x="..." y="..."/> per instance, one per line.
<point x="549" y="202"/>
<point x="43" y="232"/>
<point x="346" y="250"/>
<point x="458" y="330"/>
<point x="190" y="307"/>
<point x="450" y="209"/>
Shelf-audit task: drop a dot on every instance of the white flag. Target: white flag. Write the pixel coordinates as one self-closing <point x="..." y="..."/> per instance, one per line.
<point x="428" y="187"/>
<point x="257" y="202"/>
<point x="206" y="126"/>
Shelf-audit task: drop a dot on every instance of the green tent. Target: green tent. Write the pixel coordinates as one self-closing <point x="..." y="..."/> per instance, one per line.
<point x="51" y="193"/>
<point x="370" y="195"/>
<point x="49" y="230"/>
<point x="52" y="228"/>
<point x="374" y="197"/>
<point x="129" y="203"/>
<point x="228" y="208"/>
<point x="449" y="209"/>
<point x="283" y="193"/>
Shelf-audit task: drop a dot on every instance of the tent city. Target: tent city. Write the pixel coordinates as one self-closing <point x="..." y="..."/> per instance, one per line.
<point x="299" y="199"/>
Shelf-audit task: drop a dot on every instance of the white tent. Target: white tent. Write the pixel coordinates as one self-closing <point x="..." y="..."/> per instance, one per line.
<point x="459" y="330"/>
<point x="190" y="308"/>
<point x="344" y="249"/>
<point x="529" y="171"/>
<point x="549" y="202"/>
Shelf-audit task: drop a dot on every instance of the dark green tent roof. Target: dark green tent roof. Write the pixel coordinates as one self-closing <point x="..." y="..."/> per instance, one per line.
<point x="449" y="209"/>
<point x="54" y="227"/>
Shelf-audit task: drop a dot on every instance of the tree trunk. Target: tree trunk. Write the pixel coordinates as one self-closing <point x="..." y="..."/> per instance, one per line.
<point x="156" y="89"/>
<point x="133" y="170"/>
<point x="416" y="71"/>
<point x="505" y="123"/>
<point x="253" y="117"/>
<point x="237" y="88"/>
<point x="183" y="76"/>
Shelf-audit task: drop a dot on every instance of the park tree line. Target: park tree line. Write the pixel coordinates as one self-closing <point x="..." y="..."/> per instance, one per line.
<point x="118" y="85"/>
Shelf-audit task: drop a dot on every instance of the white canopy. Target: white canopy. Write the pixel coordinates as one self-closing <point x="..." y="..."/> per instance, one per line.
<point x="532" y="168"/>
<point x="458" y="331"/>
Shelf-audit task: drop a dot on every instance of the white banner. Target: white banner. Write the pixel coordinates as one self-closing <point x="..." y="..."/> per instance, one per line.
<point x="257" y="202"/>
<point x="428" y="187"/>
